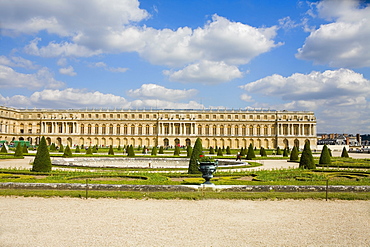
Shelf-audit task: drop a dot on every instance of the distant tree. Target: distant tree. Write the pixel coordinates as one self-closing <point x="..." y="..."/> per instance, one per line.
<point x="61" y="148"/>
<point x="19" y="151"/>
<point x="82" y="147"/>
<point x="278" y="151"/>
<point x="250" y="154"/>
<point x="77" y="150"/>
<point x="285" y="152"/>
<point x="294" y="155"/>
<point x="3" y="149"/>
<point x="228" y="151"/>
<point x="197" y="152"/>
<point x="95" y="148"/>
<point x="89" y="150"/>
<point x="344" y="153"/>
<point x="67" y="152"/>
<point x="211" y="150"/>
<point x="42" y="162"/>
<point x="131" y="151"/>
<point x="119" y="148"/>
<point x="325" y="156"/>
<point x="263" y="152"/>
<point x="176" y="152"/>
<point x="144" y="150"/>
<point x="219" y="152"/>
<point x="161" y="151"/>
<point x="154" y="151"/>
<point x="53" y="147"/>
<point x="242" y="152"/>
<point x="189" y="150"/>
<point x="307" y="161"/>
<point x="110" y="151"/>
<point x="25" y="149"/>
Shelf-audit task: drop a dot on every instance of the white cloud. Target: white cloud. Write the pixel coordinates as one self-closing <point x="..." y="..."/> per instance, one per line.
<point x="246" y="98"/>
<point x="80" y="98"/>
<point x="157" y="92"/>
<point x="206" y="72"/>
<point x="343" y="93"/>
<point x="219" y="40"/>
<point x="67" y="18"/>
<point x="344" y="42"/>
<point x="67" y="71"/>
<point x="17" y="62"/>
<point x="9" y="78"/>
<point x="62" y="49"/>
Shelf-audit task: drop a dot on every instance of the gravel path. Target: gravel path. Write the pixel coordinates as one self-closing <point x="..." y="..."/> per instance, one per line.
<point x="123" y="222"/>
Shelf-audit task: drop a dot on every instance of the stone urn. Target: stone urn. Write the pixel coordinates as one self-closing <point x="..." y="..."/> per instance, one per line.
<point x="207" y="169"/>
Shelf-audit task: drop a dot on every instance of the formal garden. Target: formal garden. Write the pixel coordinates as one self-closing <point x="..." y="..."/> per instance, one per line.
<point x="307" y="169"/>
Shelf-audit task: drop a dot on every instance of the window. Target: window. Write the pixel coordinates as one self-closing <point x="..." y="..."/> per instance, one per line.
<point x="111" y="115"/>
<point x="250" y="116"/>
<point x="89" y="129"/>
<point x="118" y="130"/>
<point x="111" y="129"/>
<point x="228" y="116"/>
<point x="82" y="129"/>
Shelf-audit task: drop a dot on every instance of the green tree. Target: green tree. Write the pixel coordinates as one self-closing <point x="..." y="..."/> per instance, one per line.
<point x="211" y="150"/>
<point x="325" y="156"/>
<point x="189" y="150"/>
<point x="161" y="151"/>
<point x="307" y="161"/>
<point x="89" y="150"/>
<point x="25" y="149"/>
<point x="53" y="147"/>
<point x="263" y="152"/>
<point x="294" y="155"/>
<point x="278" y="151"/>
<point x="344" y="153"/>
<point x="77" y="150"/>
<point x="228" y="151"/>
<point x="131" y="151"/>
<point x="19" y="151"/>
<point x="144" y="150"/>
<point x="119" y="148"/>
<point x="219" y="152"/>
<point x="242" y="152"/>
<point x="42" y="162"/>
<point x="176" y="152"/>
<point x="95" y="148"/>
<point x="285" y="152"/>
<point x="250" y="154"/>
<point x="67" y="152"/>
<point x="154" y="151"/>
<point x="197" y="152"/>
<point x="3" y="149"/>
<point x="61" y="149"/>
<point x="110" y="151"/>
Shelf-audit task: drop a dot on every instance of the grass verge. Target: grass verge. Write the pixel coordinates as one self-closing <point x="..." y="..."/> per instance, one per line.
<point x="198" y="195"/>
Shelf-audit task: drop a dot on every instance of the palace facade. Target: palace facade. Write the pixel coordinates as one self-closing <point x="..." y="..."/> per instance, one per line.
<point x="222" y="128"/>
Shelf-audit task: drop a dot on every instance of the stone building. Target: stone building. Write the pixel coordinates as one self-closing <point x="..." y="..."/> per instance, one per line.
<point x="215" y="127"/>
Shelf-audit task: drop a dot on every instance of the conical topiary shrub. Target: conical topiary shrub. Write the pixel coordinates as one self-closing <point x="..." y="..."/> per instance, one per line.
<point x="161" y="151"/>
<point x="294" y="155"/>
<point x="278" y="151"/>
<point x="154" y="151"/>
<point x="285" y="152"/>
<point x="250" y="154"/>
<point x="325" y="156"/>
<point x="3" y="149"/>
<point x="19" y="151"/>
<point x="25" y="149"/>
<point x="42" y="162"/>
<point x="67" y="152"/>
<point x="176" y="152"/>
<point x="228" y="151"/>
<point x="211" y="150"/>
<point x="77" y="150"/>
<point x="219" y="152"/>
<point x="344" y="153"/>
<point x="263" y="152"/>
<point x="89" y="151"/>
<point x="61" y="149"/>
<point x="197" y="152"/>
<point x="189" y="151"/>
<point x="110" y="151"/>
<point x="307" y="161"/>
<point x="242" y="152"/>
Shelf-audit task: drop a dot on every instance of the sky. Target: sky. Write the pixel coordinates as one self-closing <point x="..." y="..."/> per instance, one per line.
<point x="194" y="54"/>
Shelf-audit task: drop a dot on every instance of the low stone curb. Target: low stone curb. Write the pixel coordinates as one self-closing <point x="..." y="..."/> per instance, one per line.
<point x="185" y="188"/>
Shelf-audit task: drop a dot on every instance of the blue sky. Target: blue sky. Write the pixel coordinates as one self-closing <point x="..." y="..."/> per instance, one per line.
<point x="279" y="55"/>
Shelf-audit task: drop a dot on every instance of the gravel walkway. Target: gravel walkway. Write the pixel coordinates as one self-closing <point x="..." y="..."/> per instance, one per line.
<point x="123" y="222"/>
